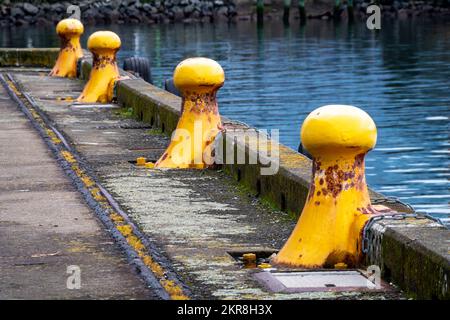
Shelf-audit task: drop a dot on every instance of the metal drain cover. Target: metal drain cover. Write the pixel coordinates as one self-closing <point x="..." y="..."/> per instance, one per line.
<point x="304" y="281"/>
<point x="93" y="106"/>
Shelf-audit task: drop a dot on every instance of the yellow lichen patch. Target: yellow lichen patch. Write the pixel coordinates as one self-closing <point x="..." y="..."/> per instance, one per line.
<point x="68" y="156"/>
<point x="77" y="246"/>
<point x="156" y="268"/>
<point x="14" y="88"/>
<point x="79" y="172"/>
<point x="96" y="193"/>
<point x="35" y="114"/>
<point x="52" y="136"/>
<point x="125" y="230"/>
<point x="117" y="218"/>
<point x="76" y="249"/>
<point x="87" y="181"/>
<point x="135" y="243"/>
<point x="174" y="290"/>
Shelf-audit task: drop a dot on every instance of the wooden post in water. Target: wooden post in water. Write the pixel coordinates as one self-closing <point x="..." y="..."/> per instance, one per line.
<point x="337" y="9"/>
<point x="301" y="11"/>
<point x="350" y="10"/>
<point x="260" y="11"/>
<point x="287" y="7"/>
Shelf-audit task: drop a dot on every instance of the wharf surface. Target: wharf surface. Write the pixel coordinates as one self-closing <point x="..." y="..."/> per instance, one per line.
<point x="46" y="227"/>
<point x="187" y="220"/>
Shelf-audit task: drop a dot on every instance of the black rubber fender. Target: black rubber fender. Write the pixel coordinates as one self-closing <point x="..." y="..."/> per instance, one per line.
<point x="140" y="67"/>
<point x="303" y="151"/>
<point x="170" y="86"/>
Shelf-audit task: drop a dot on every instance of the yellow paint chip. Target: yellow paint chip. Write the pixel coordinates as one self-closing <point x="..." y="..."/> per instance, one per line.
<point x="149" y="165"/>
<point x="141" y="161"/>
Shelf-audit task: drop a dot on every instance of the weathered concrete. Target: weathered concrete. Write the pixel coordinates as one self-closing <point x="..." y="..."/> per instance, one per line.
<point x="45" y="226"/>
<point x="193" y="217"/>
<point x="414" y="254"/>
<point x="287" y="191"/>
<point x="111" y="140"/>
<point x="25" y="57"/>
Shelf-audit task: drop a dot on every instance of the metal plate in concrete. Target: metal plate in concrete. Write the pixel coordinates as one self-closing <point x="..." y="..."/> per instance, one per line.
<point x="93" y="106"/>
<point x="304" y="281"/>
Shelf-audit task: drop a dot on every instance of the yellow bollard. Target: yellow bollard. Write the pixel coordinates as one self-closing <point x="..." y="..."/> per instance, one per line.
<point x="329" y="230"/>
<point x="198" y="80"/>
<point x="104" y="46"/>
<point x="69" y="30"/>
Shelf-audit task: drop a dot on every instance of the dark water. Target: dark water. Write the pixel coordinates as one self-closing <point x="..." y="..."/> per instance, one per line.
<point x="277" y="75"/>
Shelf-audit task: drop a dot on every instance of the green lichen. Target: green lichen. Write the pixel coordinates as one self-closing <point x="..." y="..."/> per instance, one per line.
<point x="244" y="191"/>
<point x="126" y="113"/>
<point x="28" y="57"/>
<point x="155" y="132"/>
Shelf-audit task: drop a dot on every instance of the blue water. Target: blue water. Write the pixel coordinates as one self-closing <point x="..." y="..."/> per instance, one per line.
<point x="276" y="75"/>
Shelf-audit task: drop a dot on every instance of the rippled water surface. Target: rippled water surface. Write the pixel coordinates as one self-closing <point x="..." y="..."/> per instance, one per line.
<point x="276" y="75"/>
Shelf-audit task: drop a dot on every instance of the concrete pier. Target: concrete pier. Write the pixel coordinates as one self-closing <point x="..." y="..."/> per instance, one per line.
<point x="46" y="227"/>
<point x="184" y="228"/>
<point x="193" y="219"/>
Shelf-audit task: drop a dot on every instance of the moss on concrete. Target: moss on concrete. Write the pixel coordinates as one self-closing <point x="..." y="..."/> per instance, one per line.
<point x="27" y="57"/>
<point x="155" y="132"/>
<point x="419" y="271"/>
<point x="150" y="104"/>
<point x="126" y="113"/>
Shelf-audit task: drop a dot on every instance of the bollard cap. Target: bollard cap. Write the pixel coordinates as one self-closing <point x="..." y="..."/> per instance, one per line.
<point x="338" y="127"/>
<point x="103" y="40"/>
<point x="69" y="27"/>
<point x="198" y="72"/>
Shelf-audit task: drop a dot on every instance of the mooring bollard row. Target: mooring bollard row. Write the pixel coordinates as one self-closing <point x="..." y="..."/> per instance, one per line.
<point x="329" y="230"/>
<point x="198" y="80"/>
<point x="69" y="30"/>
<point x="104" y="46"/>
<point x="338" y="210"/>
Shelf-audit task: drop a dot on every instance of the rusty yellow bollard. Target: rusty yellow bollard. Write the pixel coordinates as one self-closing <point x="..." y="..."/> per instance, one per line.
<point x="69" y="30"/>
<point x="329" y="230"/>
<point x="198" y="80"/>
<point x="104" y="46"/>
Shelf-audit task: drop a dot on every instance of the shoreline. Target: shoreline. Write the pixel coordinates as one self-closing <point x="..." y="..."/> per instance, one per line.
<point x="194" y="11"/>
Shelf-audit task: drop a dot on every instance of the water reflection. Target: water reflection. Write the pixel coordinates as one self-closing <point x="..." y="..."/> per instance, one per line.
<point x="277" y="74"/>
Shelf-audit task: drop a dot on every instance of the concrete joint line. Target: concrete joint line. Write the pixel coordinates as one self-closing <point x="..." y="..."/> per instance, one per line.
<point x="151" y="266"/>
